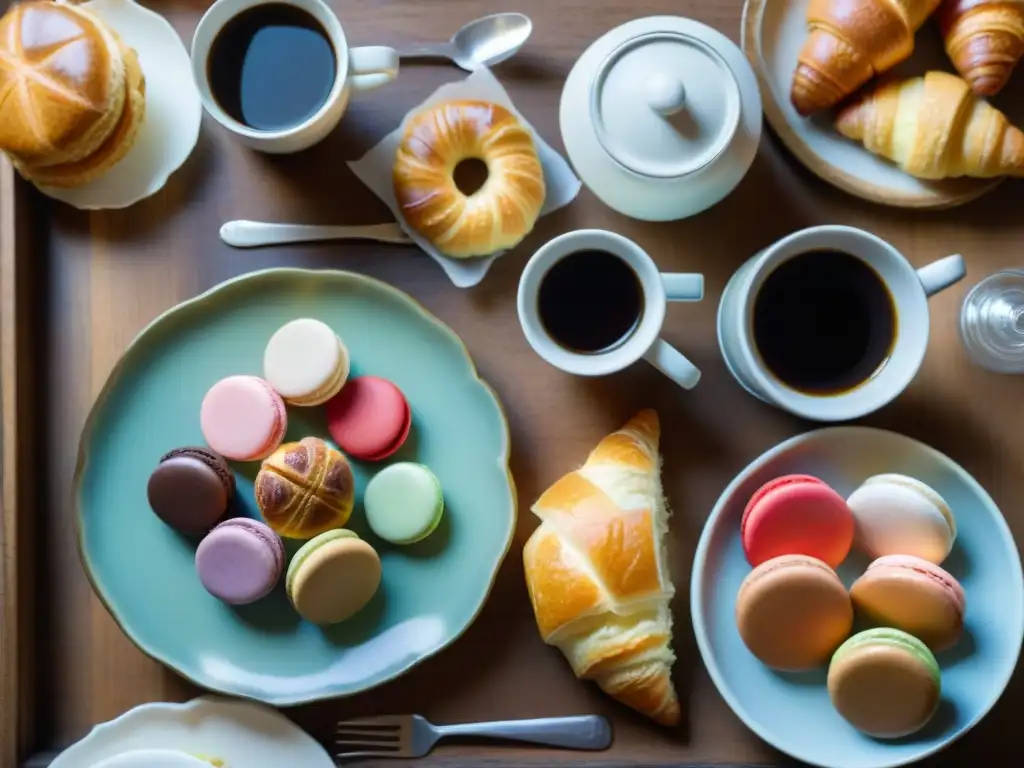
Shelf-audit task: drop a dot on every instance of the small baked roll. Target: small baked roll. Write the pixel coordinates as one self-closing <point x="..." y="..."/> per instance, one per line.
<point x="304" y="489"/>
<point x="495" y="217"/>
<point x="111" y="151"/>
<point x="62" y="83"/>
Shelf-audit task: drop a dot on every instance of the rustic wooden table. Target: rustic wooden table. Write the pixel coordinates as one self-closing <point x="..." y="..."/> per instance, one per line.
<point x="92" y="280"/>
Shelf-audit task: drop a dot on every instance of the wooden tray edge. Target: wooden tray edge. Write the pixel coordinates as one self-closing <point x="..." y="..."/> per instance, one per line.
<point x="17" y="704"/>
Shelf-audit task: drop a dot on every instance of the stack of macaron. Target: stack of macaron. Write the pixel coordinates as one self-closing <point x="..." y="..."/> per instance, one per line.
<point x="794" y="613"/>
<point x="304" y="490"/>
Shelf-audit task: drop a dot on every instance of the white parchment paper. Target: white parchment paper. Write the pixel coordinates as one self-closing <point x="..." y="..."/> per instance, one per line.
<point x="374" y="170"/>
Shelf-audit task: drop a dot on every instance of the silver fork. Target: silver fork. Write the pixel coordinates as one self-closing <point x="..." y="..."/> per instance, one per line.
<point x="413" y="736"/>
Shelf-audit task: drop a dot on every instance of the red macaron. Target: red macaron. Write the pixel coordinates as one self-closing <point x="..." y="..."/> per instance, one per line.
<point x="370" y="418"/>
<point x="797" y="515"/>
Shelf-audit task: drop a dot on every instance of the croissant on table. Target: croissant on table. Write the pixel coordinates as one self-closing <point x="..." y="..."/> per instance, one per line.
<point x="597" y="571"/>
<point x="849" y="42"/>
<point x="984" y="39"/>
<point x="934" y="127"/>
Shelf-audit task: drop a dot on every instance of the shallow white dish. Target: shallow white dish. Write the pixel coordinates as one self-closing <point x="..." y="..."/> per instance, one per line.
<point x="152" y="758"/>
<point x="170" y="130"/>
<point x="239" y="733"/>
<point x="792" y="711"/>
<point x="773" y="33"/>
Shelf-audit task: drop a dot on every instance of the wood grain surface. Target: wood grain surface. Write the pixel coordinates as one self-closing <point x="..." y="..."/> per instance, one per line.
<point x="100" y="277"/>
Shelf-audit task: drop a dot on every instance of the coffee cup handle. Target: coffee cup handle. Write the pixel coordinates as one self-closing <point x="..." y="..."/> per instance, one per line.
<point x="372" y="66"/>
<point x="681" y="286"/>
<point x="941" y="274"/>
<point x="671" y="362"/>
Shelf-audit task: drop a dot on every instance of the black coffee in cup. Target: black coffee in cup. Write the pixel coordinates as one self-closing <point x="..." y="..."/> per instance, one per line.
<point x="272" y="67"/>
<point x="824" y="322"/>
<point x="590" y="302"/>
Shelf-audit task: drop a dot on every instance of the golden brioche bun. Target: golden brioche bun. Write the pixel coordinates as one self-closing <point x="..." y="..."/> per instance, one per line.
<point x="113" y="150"/>
<point x="495" y="217"/>
<point x="62" y="83"/>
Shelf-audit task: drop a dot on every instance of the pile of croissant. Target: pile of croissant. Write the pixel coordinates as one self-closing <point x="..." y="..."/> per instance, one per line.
<point x="933" y="127"/>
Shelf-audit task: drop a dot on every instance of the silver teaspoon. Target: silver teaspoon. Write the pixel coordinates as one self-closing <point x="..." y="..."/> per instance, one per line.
<point x="252" y="234"/>
<point x="481" y="43"/>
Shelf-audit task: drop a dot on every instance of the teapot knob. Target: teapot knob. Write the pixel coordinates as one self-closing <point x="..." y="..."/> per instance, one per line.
<point x="665" y="94"/>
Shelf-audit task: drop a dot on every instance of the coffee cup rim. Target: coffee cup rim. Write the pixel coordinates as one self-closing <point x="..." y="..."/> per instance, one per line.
<point x="601" y="363"/>
<point x="909" y="304"/>
<point x="225" y="11"/>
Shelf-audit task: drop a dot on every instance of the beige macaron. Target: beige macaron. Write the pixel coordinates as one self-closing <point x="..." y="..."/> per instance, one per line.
<point x="332" y="576"/>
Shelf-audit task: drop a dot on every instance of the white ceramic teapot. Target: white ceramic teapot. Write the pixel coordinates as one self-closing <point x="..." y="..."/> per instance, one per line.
<point x="661" y="117"/>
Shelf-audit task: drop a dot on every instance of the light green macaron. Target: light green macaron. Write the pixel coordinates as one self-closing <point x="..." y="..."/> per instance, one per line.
<point x="884" y="682"/>
<point x="403" y="503"/>
<point x="332" y="576"/>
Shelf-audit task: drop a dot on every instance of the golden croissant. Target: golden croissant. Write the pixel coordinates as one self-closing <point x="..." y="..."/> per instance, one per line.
<point x="849" y="42"/>
<point x="597" y="571"/>
<point x="984" y="39"/>
<point x="933" y="127"/>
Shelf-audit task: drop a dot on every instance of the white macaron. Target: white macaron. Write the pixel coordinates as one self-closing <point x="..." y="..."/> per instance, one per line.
<point x="898" y="515"/>
<point x="306" y="362"/>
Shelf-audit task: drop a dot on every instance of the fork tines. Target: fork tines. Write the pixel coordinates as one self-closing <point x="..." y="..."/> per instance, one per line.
<point x="370" y="734"/>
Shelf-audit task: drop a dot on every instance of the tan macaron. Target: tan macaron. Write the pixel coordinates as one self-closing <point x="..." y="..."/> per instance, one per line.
<point x="333" y="576"/>
<point x="793" y="612"/>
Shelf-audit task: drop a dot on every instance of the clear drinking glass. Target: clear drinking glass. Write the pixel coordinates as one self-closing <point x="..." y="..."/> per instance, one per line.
<point x="992" y="322"/>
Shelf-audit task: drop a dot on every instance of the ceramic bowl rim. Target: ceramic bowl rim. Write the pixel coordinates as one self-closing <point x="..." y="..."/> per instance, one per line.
<point x="198" y="303"/>
<point x="700" y="567"/>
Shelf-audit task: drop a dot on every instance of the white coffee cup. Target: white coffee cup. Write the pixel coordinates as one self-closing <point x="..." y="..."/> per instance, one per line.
<point x="357" y="69"/>
<point x="643" y="342"/>
<point x="909" y="289"/>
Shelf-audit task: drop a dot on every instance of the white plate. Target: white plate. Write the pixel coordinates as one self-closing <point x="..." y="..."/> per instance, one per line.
<point x="792" y="711"/>
<point x="170" y="130"/>
<point x="240" y="733"/>
<point x="774" y="31"/>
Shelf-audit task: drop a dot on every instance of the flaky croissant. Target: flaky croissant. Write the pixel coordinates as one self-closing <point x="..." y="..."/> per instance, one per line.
<point x="984" y="39"/>
<point x="849" y="42"/>
<point x="933" y="127"/>
<point x="597" y="571"/>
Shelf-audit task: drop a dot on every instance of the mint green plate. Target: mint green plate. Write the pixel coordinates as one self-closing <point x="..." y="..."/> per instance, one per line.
<point x="143" y="571"/>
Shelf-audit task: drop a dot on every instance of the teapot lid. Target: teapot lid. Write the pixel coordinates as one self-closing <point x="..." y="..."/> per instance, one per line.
<point x="664" y="104"/>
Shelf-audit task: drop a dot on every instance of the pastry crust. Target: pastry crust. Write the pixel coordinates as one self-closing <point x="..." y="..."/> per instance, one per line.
<point x="495" y="217"/>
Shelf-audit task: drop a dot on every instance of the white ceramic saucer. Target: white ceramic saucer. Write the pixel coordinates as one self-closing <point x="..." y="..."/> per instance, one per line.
<point x="153" y="758"/>
<point x="239" y="733"/>
<point x="773" y="33"/>
<point x="173" y="111"/>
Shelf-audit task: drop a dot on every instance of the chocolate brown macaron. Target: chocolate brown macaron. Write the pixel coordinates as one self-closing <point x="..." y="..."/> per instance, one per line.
<point x="190" y="489"/>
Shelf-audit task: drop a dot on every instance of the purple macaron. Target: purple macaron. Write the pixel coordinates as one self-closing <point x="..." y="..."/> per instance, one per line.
<point x="240" y="561"/>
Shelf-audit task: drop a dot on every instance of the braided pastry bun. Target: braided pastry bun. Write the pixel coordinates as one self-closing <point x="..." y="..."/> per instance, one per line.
<point x="305" y="488"/>
<point x="495" y="217"/>
<point x="62" y="83"/>
<point x="597" y="571"/>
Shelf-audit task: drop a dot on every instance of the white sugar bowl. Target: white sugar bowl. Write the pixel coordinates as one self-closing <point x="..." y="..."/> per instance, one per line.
<point x="661" y="117"/>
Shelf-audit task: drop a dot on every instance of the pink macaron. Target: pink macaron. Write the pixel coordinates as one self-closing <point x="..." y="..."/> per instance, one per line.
<point x="915" y="595"/>
<point x="797" y="515"/>
<point x="370" y="418"/>
<point x="243" y="418"/>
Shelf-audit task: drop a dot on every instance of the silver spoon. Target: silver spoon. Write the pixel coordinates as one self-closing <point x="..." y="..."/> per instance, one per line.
<point x="481" y="43"/>
<point x="252" y="234"/>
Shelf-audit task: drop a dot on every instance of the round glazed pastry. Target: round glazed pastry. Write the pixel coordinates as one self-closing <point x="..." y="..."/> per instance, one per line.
<point x="306" y="362"/>
<point x="305" y="488"/>
<point x="792" y="612"/>
<point x="796" y="515"/>
<point x="240" y="561"/>
<point x="885" y="683"/>
<point x="495" y="217"/>
<point x="898" y="515"/>
<point x="243" y="418"/>
<point x="914" y="595"/>
<point x="190" y="489"/>
<point x="79" y="94"/>
<point x="370" y="418"/>
<point x="403" y="503"/>
<point x="332" y="577"/>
